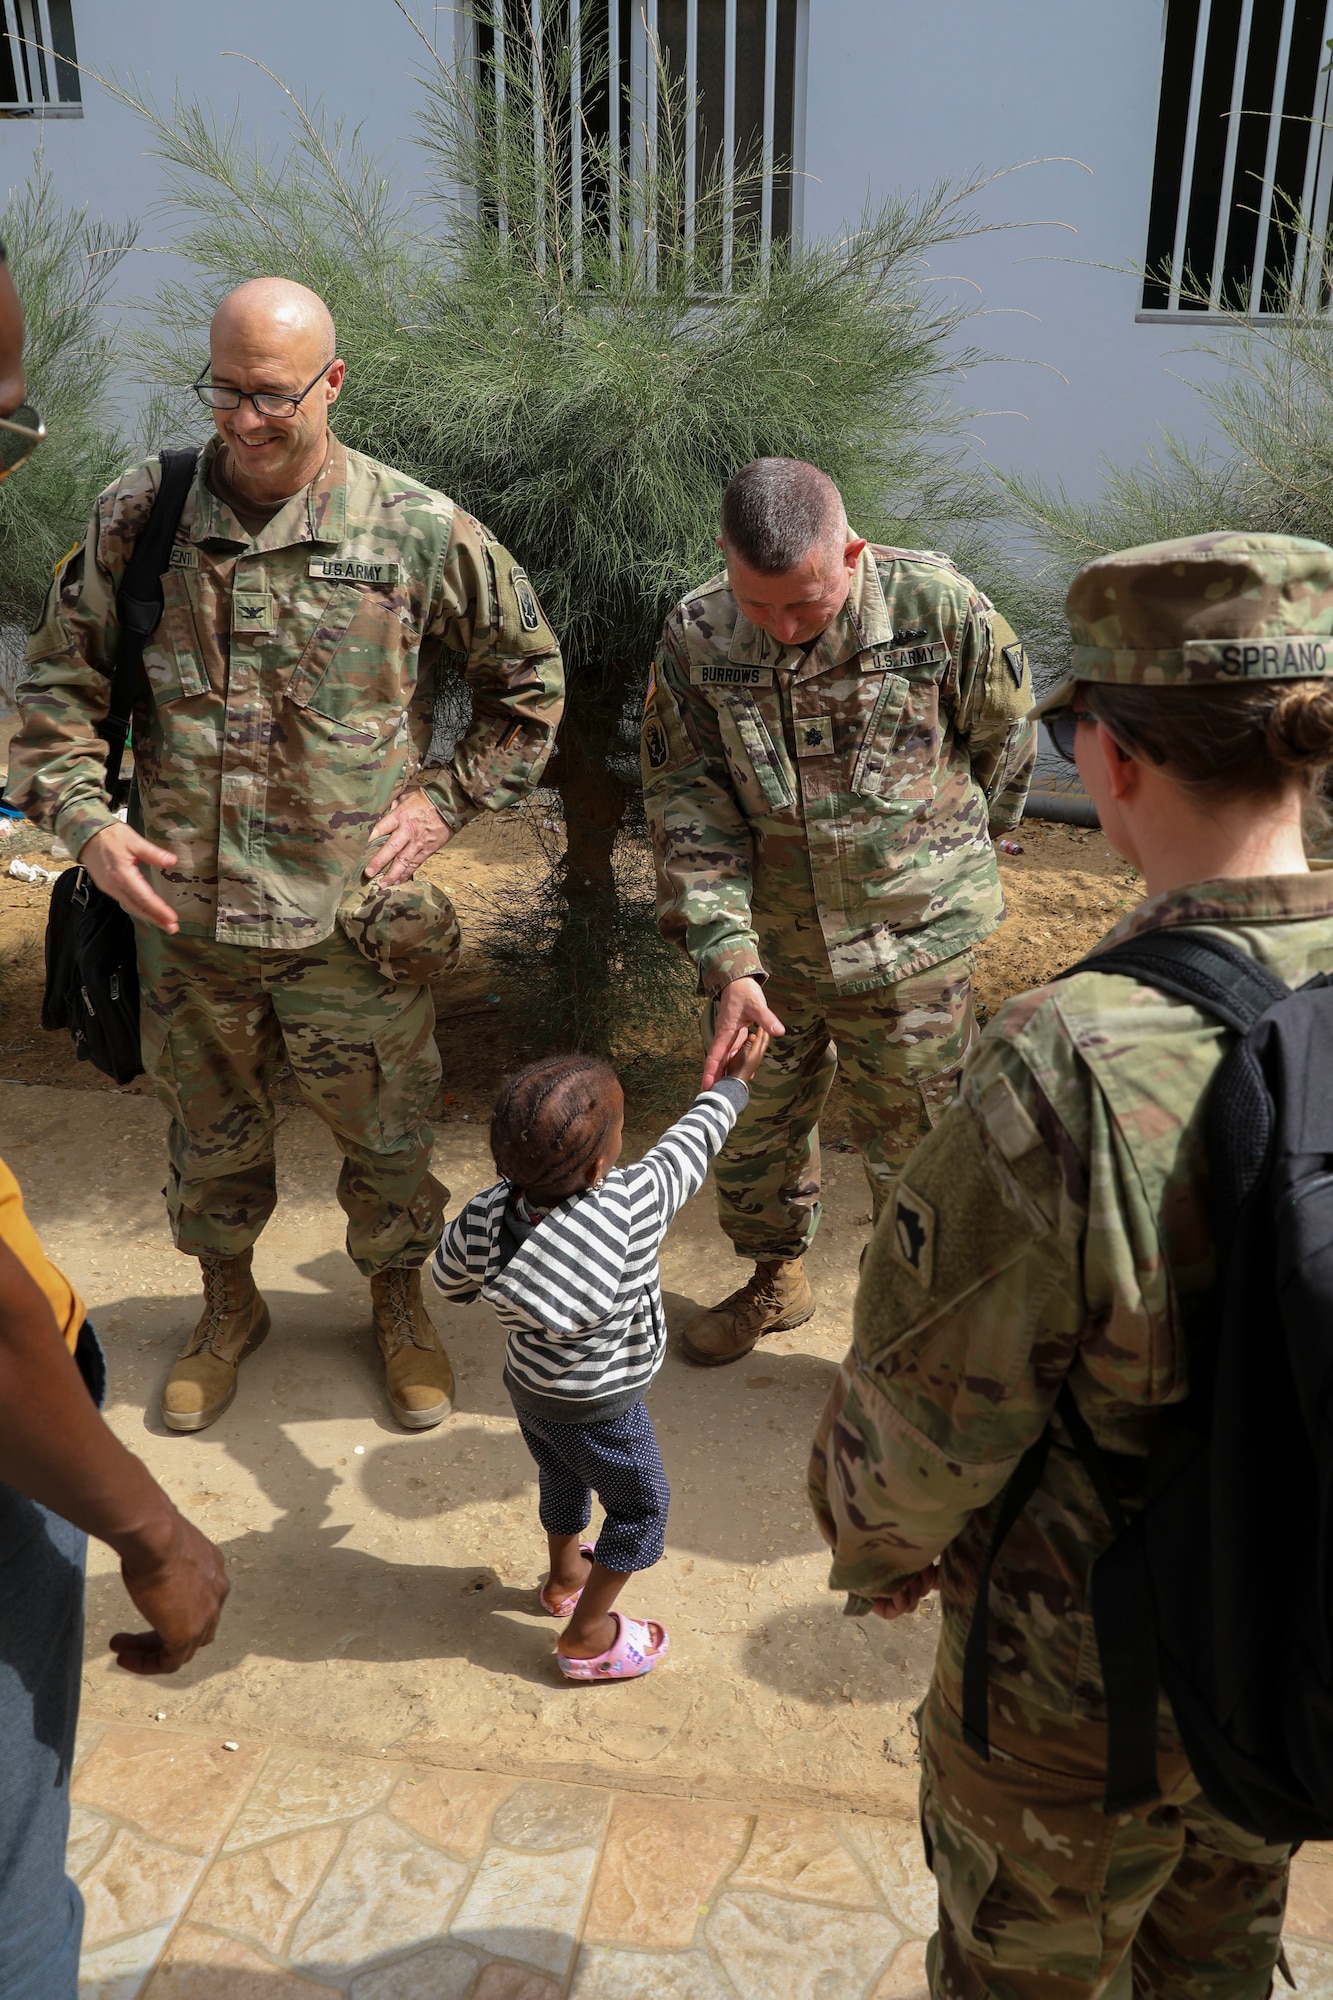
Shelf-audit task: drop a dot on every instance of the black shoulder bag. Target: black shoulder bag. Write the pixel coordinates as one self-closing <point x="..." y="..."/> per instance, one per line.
<point x="92" y="980"/>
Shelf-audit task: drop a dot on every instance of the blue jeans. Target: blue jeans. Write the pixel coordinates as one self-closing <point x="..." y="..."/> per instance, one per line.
<point x="41" y="1658"/>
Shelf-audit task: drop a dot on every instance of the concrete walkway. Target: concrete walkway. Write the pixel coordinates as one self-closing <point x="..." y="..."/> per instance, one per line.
<point x="242" y="1870"/>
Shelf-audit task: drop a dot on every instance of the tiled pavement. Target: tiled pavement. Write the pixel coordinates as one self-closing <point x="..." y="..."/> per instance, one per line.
<point x="266" y="1872"/>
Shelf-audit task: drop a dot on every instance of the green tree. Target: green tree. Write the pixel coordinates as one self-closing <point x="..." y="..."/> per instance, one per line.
<point x="63" y="265"/>
<point x="584" y="370"/>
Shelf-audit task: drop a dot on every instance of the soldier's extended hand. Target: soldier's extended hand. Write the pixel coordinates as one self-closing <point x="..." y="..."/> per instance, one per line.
<point x="908" y="1595"/>
<point x="180" y="1589"/>
<point x="740" y="1007"/>
<point x="412" y="831"/>
<point x="114" y="858"/>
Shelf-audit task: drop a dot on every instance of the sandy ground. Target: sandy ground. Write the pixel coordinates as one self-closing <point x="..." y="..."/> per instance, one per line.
<point x="384" y="1584"/>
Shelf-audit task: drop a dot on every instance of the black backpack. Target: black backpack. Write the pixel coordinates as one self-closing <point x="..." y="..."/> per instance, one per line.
<point x="92" y="979"/>
<point x="1220" y="1589"/>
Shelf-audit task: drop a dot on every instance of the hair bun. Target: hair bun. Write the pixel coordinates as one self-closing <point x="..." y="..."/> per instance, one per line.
<point x="1300" y="725"/>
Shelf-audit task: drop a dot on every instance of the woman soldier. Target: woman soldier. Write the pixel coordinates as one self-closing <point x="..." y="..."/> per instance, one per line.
<point x="1026" y="1246"/>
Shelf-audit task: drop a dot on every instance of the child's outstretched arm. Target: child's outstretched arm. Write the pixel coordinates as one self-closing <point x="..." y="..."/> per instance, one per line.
<point x="679" y="1160"/>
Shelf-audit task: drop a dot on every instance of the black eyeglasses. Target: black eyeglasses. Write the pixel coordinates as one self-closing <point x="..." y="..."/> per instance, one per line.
<point x="20" y="434"/>
<point x="1062" y="727"/>
<point x="268" y="402"/>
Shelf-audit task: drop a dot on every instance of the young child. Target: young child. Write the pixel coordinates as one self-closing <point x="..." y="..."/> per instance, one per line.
<point x="565" y="1248"/>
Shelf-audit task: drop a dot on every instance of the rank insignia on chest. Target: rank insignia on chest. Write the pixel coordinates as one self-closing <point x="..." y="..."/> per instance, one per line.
<point x="183" y="556"/>
<point x="1015" y="659"/>
<point x="912" y="1234"/>
<point x="353" y="569"/>
<point x="722" y="674"/>
<point x="251" y="613"/>
<point x="814" y="735"/>
<point x="654" y="744"/>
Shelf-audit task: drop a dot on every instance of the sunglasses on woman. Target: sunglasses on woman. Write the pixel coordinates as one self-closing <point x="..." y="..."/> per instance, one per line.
<point x="1062" y="727"/>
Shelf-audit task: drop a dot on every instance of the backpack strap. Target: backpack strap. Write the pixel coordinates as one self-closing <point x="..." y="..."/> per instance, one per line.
<point x="139" y="607"/>
<point x="1193" y="965"/>
<point x="1022" y="1484"/>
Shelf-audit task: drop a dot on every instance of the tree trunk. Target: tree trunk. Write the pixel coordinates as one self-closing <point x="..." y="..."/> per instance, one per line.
<point x="593" y="799"/>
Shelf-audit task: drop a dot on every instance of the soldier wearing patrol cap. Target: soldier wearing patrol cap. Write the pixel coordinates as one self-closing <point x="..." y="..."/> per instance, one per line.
<point x="1025" y="1250"/>
<point x="284" y="799"/>
<point x="832" y="731"/>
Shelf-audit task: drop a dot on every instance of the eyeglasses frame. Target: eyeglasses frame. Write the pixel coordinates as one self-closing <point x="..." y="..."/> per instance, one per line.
<point x="253" y="395"/>
<point x="34" y="438"/>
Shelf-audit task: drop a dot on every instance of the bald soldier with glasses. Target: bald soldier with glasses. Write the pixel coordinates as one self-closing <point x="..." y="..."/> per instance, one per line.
<point x="284" y="800"/>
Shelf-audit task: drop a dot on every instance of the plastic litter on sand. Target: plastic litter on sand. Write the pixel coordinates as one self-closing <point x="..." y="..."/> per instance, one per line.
<point x="28" y="871"/>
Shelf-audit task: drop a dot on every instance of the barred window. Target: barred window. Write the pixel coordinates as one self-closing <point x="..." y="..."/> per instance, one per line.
<point x="38" y="76"/>
<point x="1243" y="147"/>
<point x="740" y="65"/>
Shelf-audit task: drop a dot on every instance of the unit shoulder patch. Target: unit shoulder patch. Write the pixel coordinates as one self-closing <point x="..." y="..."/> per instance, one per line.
<point x="912" y="1234"/>
<point x="525" y="598"/>
<point x="1015" y="658"/>
<point x="655" y="746"/>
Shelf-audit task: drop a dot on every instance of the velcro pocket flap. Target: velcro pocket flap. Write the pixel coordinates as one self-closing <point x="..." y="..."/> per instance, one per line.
<point x="313" y="664"/>
<point x="769" y="769"/>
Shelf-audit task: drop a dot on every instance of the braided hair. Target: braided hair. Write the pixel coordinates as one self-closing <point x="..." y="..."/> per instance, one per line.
<point x="551" y="1123"/>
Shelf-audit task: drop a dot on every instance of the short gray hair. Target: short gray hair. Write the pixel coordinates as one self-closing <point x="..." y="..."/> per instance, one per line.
<point x="776" y="510"/>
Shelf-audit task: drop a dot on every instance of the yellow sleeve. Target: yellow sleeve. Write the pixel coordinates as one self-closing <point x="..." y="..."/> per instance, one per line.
<point x="20" y="1236"/>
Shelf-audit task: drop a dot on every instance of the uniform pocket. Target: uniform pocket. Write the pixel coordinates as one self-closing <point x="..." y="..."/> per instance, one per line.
<point x="159" y="1063"/>
<point x="873" y="768"/>
<point x="409" y="1069"/>
<point x="939" y="1091"/>
<point x="172" y="656"/>
<point x="351" y="669"/>
<point x="964" y="1866"/>
<point x="763" y="774"/>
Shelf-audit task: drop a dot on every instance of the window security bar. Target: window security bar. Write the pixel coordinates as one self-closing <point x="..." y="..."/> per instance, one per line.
<point x="38" y="77"/>
<point x="1243" y="145"/>
<point x="741" y="65"/>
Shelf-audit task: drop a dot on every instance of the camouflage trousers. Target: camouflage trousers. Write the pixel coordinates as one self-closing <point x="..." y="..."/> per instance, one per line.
<point x="1042" y="1897"/>
<point x="898" y="1049"/>
<point x="218" y="1021"/>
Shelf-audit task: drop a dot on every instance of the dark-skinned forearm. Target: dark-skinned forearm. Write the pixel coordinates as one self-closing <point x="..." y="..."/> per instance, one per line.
<point x="54" y="1446"/>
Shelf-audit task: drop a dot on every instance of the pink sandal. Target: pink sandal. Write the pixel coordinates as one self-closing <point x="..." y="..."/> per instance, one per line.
<point x="565" y="1608"/>
<point x="633" y="1654"/>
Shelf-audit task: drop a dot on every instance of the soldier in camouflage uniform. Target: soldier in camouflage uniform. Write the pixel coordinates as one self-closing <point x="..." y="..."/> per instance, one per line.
<point x="832" y="732"/>
<point x="283" y="800"/>
<point x="1054" y="1228"/>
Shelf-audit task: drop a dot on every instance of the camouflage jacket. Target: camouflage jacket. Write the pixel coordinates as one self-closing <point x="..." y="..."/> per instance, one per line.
<point x="824" y="815"/>
<point x="1024" y="1244"/>
<point x="289" y="689"/>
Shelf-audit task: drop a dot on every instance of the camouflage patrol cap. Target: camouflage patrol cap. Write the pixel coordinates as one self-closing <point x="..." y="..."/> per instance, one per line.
<point x="1209" y="609"/>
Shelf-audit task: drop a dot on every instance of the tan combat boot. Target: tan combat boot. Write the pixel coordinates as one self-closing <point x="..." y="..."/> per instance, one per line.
<point x="235" y="1319"/>
<point x="777" y="1297"/>
<point x="416" y="1368"/>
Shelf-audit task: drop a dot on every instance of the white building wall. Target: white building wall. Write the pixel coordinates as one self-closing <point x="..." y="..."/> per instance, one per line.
<point x="900" y="92"/>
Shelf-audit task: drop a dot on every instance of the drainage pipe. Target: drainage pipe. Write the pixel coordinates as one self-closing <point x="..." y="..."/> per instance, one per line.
<point x="1066" y="808"/>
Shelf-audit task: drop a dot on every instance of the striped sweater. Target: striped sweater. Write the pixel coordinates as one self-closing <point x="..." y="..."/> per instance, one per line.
<point x="581" y="1297"/>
